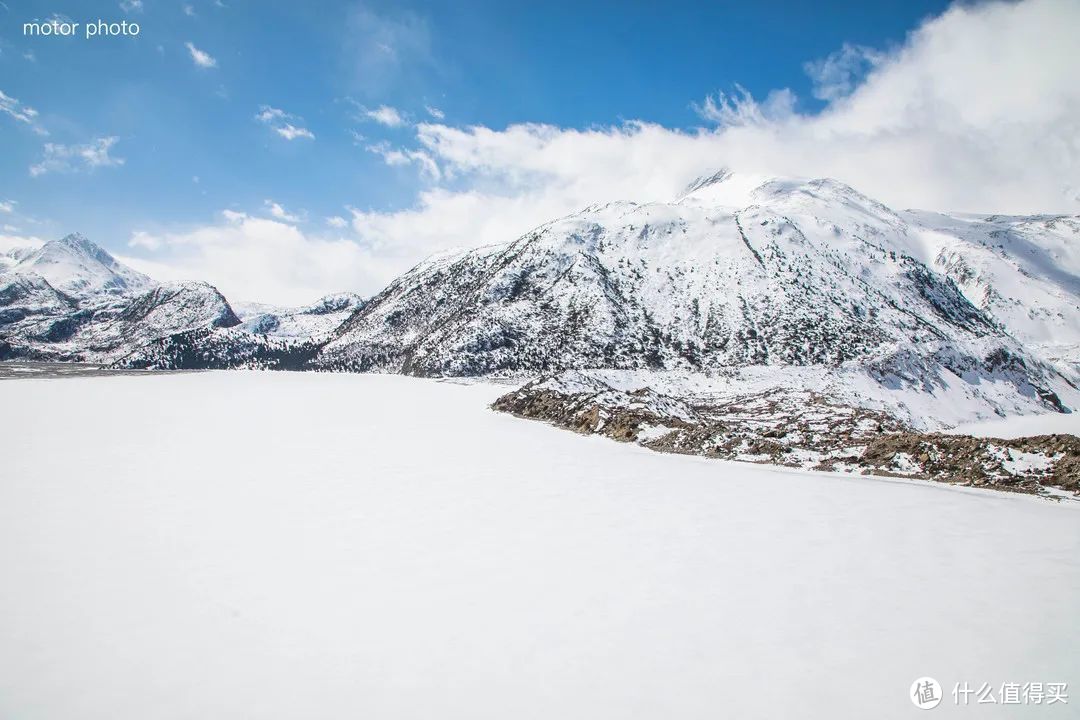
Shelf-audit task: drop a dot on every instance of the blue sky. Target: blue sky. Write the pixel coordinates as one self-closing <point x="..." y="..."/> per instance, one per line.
<point x="180" y="104"/>
<point x="489" y="63"/>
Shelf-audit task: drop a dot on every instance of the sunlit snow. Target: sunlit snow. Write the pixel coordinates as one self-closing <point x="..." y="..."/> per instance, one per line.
<point x="225" y="545"/>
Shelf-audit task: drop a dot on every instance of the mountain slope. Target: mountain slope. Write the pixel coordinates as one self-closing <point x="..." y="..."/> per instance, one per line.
<point x="808" y="273"/>
<point x="1022" y="271"/>
<point x="71" y="300"/>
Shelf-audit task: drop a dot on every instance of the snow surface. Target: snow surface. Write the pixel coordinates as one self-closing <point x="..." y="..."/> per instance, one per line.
<point x="1022" y="426"/>
<point x="206" y="545"/>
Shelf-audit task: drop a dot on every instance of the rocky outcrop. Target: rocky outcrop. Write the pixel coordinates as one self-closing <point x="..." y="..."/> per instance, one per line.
<point x="797" y="429"/>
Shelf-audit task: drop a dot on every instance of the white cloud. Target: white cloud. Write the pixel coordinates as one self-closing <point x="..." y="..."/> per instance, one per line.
<point x="189" y="10"/>
<point x="282" y="123"/>
<point x="291" y="132"/>
<point x="22" y="113"/>
<point x="978" y="111"/>
<point x="741" y="109"/>
<point x="9" y="242"/>
<point x="253" y="258"/>
<point x="278" y="212"/>
<point x="385" y="115"/>
<point x="336" y="221"/>
<point x="130" y="6"/>
<point x="200" y="58"/>
<point x="7" y="206"/>
<point x="435" y="112"/>
<point x="395" y="156"/>
<point x="837" y="75"/>
<point x="76" y="158"/>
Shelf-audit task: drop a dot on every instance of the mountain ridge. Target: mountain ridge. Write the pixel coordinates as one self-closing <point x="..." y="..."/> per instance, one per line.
<point x="736" y="272"/>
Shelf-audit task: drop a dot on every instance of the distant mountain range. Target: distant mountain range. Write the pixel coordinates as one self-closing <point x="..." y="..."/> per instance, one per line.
<point x="772" y="277"/>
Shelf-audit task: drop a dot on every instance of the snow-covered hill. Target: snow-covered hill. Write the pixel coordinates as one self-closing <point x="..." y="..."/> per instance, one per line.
<point x="735" y="273"/>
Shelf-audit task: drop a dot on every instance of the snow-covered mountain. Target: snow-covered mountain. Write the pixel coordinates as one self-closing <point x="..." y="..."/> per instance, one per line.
<point x="319" y="319"/>
<point x="737" y="272"/>
<point x="1022" y="271"/>
<point x="76" y="266"/>
<point x="739" y="282"/>
<point x="71" y="300"/>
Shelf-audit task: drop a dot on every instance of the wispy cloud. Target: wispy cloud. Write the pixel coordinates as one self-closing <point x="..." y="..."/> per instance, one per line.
<point x="385" y="49"/>
<point x="77" y="158"/>
<point x="435" y="112"/>
<point x="837" y="75"/>
<point x="740" y="109"/>
<point x="22" y="113"/>
<point x="199" y="57"/>
<point x="336" y="221"/>
<point x="278" y="212"/>
<point x="7" y="206"/>
<point x="284" y="124"/>
<point x="189" y="10"/>
<point x="130" y="6"/>
<point x="398" y="156"/>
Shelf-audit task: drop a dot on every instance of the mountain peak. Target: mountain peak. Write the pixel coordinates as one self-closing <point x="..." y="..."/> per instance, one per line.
<point x="724" y="188"/>
<point x="81" y="245"/>
<point x="75" y="265"/>
<point x="705" y="180"/>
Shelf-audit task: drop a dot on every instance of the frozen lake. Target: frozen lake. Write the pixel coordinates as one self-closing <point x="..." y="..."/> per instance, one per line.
<point x="221" y="545"/>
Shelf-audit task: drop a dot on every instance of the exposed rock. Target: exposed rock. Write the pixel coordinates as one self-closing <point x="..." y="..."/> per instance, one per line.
<point x="797" y="429"/>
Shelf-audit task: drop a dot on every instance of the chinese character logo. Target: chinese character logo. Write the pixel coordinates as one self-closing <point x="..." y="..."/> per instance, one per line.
<point x="925" y="693"/>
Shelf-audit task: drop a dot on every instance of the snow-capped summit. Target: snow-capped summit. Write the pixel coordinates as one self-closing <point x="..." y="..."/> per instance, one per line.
<point x="726" y="188"/>
<point x="76" y="266"/>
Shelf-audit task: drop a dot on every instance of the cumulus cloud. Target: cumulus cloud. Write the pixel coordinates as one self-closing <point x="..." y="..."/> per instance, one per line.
<point x="253" y="258"/>
<point x="199" y="57"/>
<point x="978" y="110"/>
<point x="282" y="123"/>
<point x="7" y="206"/>
<point x="77" y="158"/>
<point x="336" y="221"/>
